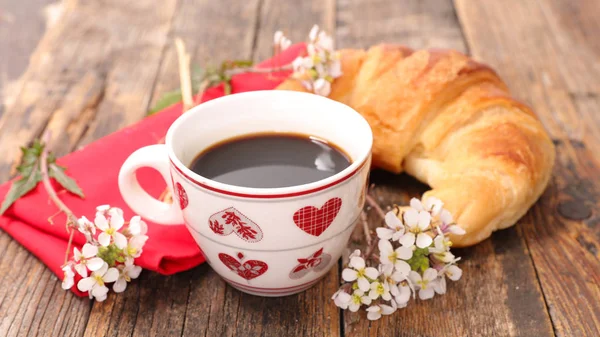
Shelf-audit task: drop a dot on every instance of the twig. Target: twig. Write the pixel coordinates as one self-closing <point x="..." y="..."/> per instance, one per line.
<point x="365" y="225"/>
<point x="375" y="206"/>
<point x="71" y="218"/>
<point x="184" y="74"/>
<point x="236" y="71"/>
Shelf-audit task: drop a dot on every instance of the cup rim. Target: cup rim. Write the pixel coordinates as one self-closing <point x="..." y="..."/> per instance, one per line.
<point x="276" y="192"/>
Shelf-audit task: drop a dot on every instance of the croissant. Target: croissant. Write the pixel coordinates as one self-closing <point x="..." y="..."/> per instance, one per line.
<point x="451" y="123"/>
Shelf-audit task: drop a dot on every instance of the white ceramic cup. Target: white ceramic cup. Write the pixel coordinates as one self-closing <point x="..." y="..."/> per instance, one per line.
<point x="263" y="241"/>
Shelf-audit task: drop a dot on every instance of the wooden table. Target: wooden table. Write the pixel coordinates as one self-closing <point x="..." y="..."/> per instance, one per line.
<point x="102" y="64"/>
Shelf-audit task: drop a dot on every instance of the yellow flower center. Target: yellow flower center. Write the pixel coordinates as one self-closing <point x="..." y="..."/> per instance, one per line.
<point x="99" y="280"/>
<point x="393" y="256"/>
<point x="131" y="251"/>
<point x="360" y="273"/>
<point x="110" y="231"/>
<point x="423" y="283"/>
<point x="356" y="299"/>
<point x="380" y="290"/>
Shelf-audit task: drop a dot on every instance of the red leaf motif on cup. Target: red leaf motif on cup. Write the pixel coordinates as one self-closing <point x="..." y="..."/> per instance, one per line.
<point x="316" y="262"/>
<point x="247" y="270"/>
<point x="183" y="198"/>
<point x="231" y="220"/>
<point x="315" y="221"/>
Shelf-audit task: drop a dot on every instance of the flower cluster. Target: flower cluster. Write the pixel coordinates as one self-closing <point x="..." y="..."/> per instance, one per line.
<point x="414" y="258"/>
<point x="108" y="255"/>
<point x="320" y="66"/>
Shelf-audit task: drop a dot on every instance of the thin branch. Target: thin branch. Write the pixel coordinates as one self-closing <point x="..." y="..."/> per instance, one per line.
<point x="365" y="225"/>
<point x="375" y="206"/>
<point x="71" y="218"/>
<point x="184" y="74"/>
<point x="236" y="71"/>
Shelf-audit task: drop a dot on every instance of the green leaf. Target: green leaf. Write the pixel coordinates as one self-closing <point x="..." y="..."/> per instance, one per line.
<point x="19" y="188"/>
<point x="166" y="100"/>
<point x="58" y="173"/>
<point x="242" y="63"/>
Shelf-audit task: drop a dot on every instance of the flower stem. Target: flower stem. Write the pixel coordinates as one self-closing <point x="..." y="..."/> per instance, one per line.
<point x="365" y="224"/>
<point x="375" y="206"/>
<point x="236" y="71"/>
<point x="71" y="218"/>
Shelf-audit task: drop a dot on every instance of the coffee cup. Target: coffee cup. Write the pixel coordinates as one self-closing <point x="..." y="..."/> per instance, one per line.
<point x="297" y="232"/>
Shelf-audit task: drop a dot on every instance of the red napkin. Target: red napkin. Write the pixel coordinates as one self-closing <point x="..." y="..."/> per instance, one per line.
<point x="169" y="249"/>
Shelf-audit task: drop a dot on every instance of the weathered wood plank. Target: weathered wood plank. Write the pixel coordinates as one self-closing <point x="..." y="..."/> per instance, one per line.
<point x="499" y="294"/>
<point x="550" y="60"/>
<point x="63" y="85"/>
<point x="415" y="23"/>
<point x="17" y="41"/>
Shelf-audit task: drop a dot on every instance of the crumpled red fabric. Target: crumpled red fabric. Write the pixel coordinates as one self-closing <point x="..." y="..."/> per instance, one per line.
<point x="169" y="249"/>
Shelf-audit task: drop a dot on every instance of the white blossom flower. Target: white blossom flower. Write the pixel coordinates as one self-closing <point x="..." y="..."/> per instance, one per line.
<point x="441" y="244"/>
<point x="137" y="226"/>
<point x="134" y="246"/>
<point x="424" y="284"/>
<point x="448" y="224"/>
<point x="95" y="283"/>
<point x="335" y="67"/>
<point x="417" y="222"/>
<point x="279" y="40"/>
<point x="359" y="272"/>
<point x="341" y="299"/>
<point x="374" y="312"/>
<point x="440" y="285"/>
<point x="389" y="255"/>
<point x="356" y="252"/>
<point x="87" y="228"/>
<point x="102" y="208"/>
<point x="379" y="289"/>
<point x="127" y="272"/>
<point x="357" y="299"/>
<point x="452" y="271"/>
<point x="68" y="278"/>
<point x="433" y="205"/>
<point x="445" y="257"/>
<point x="322" y="87"/>
<point x="86" y="259"/>
<point x="403" y="296"/>
<point x="394" y="230"/>
<point x="110" y="228"/>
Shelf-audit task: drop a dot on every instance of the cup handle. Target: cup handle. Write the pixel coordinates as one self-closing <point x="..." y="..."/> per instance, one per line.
<point x="142" y="203"/>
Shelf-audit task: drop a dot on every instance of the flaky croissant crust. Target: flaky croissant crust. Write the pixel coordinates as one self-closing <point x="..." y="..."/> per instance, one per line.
<point x="451" y="123"/>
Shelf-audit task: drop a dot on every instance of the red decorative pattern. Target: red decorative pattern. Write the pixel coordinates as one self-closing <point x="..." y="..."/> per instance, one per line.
<point x="231" y="220"/>
<point x="183" y="198"/>
<point x="315" y="221"/>
<point x="247" y="270"/>
<point x="317" y="262"/>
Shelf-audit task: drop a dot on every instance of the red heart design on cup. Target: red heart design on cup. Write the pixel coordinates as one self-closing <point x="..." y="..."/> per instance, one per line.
<point x="247" y="270"/>
<point x="183" y="198"/>
<point x="315" y="221"/>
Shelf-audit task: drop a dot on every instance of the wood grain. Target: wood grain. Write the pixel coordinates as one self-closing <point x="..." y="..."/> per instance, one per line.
<point x="104" y="63"/>
<point x="416" y="23"/>
<point x="499" y="294"/>
<point x="18" y="41"/>
<point x="553" y="66"/>
<point x="62" y="89"/>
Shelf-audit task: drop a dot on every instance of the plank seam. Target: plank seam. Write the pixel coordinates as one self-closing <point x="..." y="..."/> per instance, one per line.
<point x="256" y="29"/>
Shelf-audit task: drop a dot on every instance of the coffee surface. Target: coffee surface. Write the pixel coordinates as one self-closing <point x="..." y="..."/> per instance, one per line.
<point x="270" y="160"/>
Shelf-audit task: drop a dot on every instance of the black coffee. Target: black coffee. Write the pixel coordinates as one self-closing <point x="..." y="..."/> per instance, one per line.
<point x="269" y="160"/>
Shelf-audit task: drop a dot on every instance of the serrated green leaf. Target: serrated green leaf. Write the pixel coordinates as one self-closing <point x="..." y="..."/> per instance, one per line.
<point x="19" y="188"/>
<point x="166" y="100"/>
<point x="58" y="173"/>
